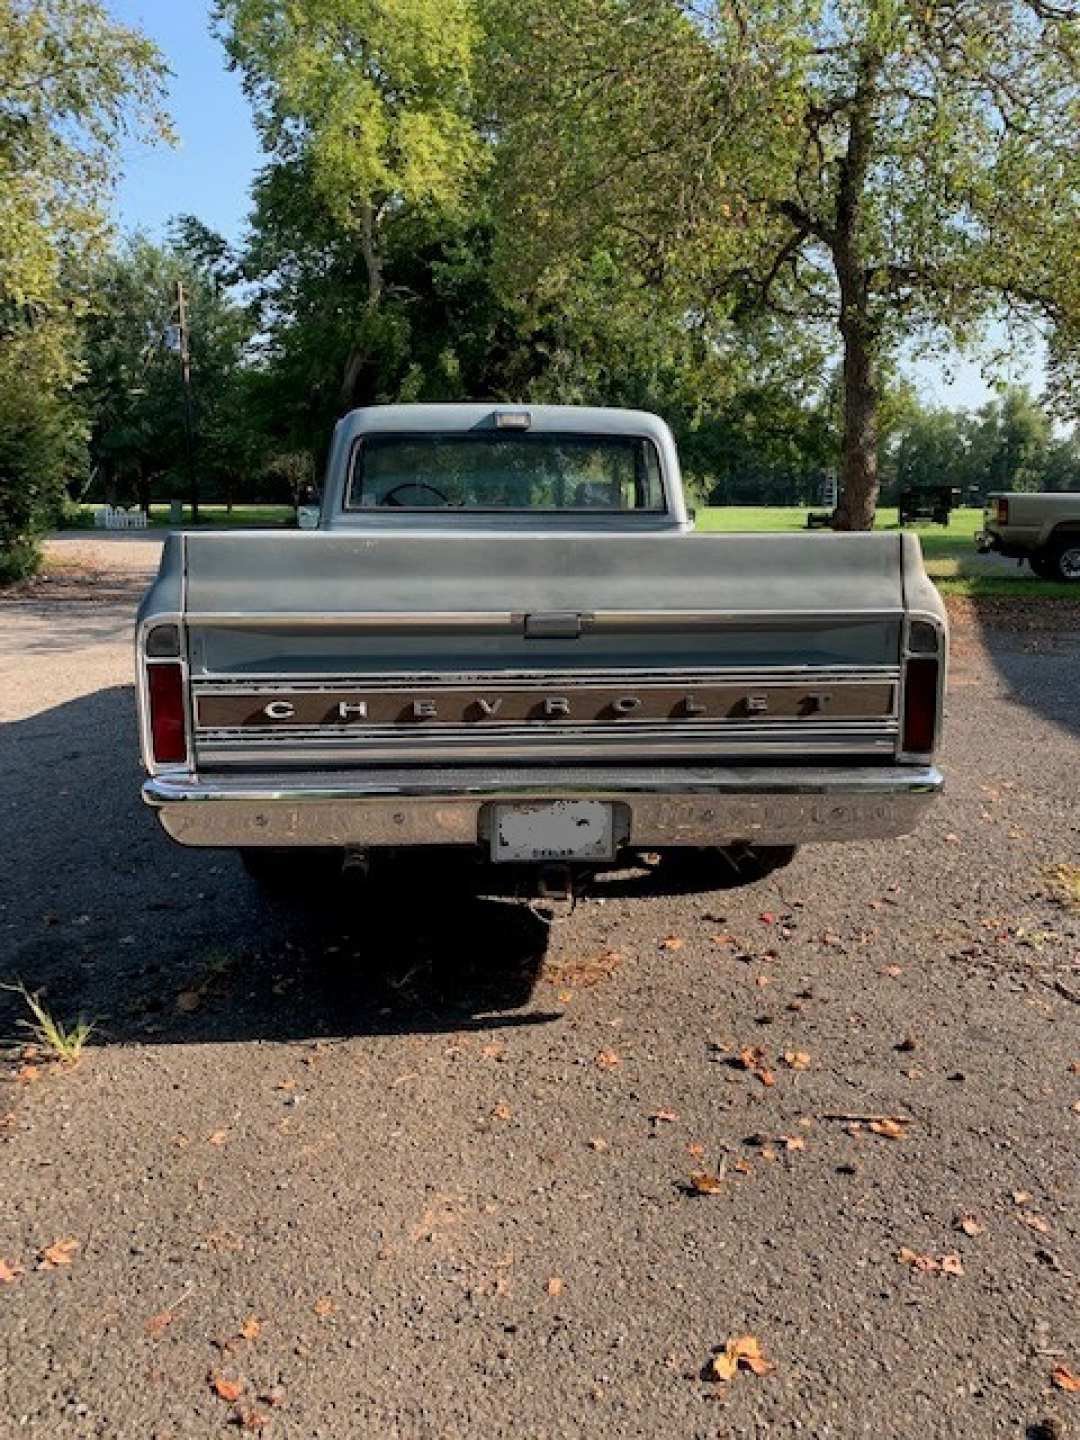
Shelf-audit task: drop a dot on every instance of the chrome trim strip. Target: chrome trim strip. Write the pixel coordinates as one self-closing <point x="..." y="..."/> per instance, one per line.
<point x="600" y="620"/>
<point x="788" y="676"/>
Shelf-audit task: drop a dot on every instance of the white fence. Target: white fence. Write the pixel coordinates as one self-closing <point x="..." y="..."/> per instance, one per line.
<point x="115" y="517"/>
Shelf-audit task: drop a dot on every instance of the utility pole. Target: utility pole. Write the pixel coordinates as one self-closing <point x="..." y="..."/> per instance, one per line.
<point x="185" y="374"/>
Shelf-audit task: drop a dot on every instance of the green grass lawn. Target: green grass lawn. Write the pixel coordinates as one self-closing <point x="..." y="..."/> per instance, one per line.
<point x="242" y="516"/>
<point x="954" y="564"/>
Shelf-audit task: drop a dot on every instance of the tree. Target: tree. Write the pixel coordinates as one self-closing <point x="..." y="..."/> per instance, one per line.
<point x="874" y="168"/>
<point x="133" y="391"/>
<point x="370" y="105"/>
<point x="72" y="81"/>
<point x="1010" y="443"/>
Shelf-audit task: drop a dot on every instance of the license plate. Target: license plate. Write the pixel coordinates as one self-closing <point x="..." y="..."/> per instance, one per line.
<point x="553" y="830"/>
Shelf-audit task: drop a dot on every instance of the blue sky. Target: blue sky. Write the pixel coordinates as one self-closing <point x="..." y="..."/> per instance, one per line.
<point x="210" y="171"/>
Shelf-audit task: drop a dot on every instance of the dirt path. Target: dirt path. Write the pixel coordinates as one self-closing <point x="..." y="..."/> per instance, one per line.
<point x="415" y="1165"/>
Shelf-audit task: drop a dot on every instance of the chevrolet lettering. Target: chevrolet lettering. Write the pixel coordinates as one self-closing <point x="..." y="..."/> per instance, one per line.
<point x="506" y="635"/>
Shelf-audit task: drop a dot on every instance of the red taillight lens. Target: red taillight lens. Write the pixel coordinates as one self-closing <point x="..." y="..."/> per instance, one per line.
<point x="1002" y="512"/>
<point x="165" y="684"/>
<point x="920" y="705"/>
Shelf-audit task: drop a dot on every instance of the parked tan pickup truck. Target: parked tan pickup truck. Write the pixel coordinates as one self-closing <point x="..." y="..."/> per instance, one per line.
<point x="1043" y="529"/>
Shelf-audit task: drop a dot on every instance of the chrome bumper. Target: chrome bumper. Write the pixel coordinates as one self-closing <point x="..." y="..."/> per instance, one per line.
<point x="656" y="807"/>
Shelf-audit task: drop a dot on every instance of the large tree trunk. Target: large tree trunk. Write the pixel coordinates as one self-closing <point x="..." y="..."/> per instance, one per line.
<point x="859" y="484"/>
<point x="859" y="470"/>
<point x="359" y="356"/>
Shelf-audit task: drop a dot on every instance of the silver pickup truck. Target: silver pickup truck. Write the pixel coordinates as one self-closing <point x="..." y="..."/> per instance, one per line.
<point x="1042" y="528"/>
<point x="504" y="634"/>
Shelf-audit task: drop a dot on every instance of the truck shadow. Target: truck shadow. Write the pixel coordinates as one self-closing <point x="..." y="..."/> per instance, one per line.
<point x="1035" y="648"/>
<point x="162" y="945"/>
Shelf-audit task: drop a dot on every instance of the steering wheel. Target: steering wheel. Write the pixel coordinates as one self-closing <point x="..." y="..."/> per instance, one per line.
<point x="388" y="498"/>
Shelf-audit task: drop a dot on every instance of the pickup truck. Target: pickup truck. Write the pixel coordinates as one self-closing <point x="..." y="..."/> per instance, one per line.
<point x="1041" y="528"/>
<point x="505" y="634"/>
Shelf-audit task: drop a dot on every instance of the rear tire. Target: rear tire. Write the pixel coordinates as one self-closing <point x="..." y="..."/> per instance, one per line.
<point x="1064" y="559"/>
<point x="724" y="869"/>
<point x="285" y="874"/>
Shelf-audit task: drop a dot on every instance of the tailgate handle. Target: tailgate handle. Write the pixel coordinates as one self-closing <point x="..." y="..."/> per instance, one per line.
<point x="553" y="625"/>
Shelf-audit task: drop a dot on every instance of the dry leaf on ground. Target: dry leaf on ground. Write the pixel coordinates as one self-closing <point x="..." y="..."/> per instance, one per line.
<point x="251" y="1329"/>
<point x="1035" y="1222"/>
<point x="695" y="1149"/>
<point x="891" y="1129"/>
<point x="1064" y="1379"/>
<point x="608" y="1060"/>
<point x="703" y="1183"/>
<point x="61" y="1252"/>
<point x="9" y="1273"/>
<point x="218" y="1137"/>
<point x="158" y="1324"/>
<point x="929" y="1264"/>
<point x="229" y="1390"/>
<point x="324" y="1305"/>
<point x="742" y="1352"/>
<point x="796" y="1059"/>
<point x="664" y="1117"/>
<point x="969" y="1225"/>
<point x="502" y="1111"/>
<point x="672" y="942"/>
<point x="554" y="1286"/>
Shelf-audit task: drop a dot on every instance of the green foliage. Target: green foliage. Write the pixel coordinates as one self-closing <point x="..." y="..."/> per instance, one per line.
<point x="133" y="387"/>
<point x="72" y="81"/>
<point x="875" y="169"/>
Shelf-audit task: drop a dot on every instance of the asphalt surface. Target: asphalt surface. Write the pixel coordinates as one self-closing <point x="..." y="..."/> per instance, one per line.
<point x="411" y="1163"/>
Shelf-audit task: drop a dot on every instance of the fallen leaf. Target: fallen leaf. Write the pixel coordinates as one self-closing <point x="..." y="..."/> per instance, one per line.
<point x="598" y="1143"/>
<point x="27" y="1074"/>
<point x="1021" y="1197"/>
<point x="229" y="1390"/>
<point x="705" y="1184"/>
<point x="796" y="1059"/>
<point x="664" y="1117"/>
<point x="554" y="1286"/>
<point x="767" y="1078"/>
<point x="969" y="1225"/>
<point x="744" y="1351"/>
<point x="767" y="917"/>
<point x="893" y="971"/>
<point x="672" y="942"/>
<point x="889" y="1128"/>
<point x="61" y="1252"/>
<point x="1065" y="1380"/>
<point x="608" y="1060"/>
<point x="324" y="1306"/>
<point x="9" y="1273"/>
<point x="218" y="1137"/>
<point x="794" y="1142"/>
<point x="743" y="1167"/>
<point x="1035" y="1222"/>
<point x="695" y="1149"/>
<point x="502" y="1111"/>
<point x="158" y="1324"/>
<point x="725" y="941"/>
<point x="253" y="1420"/>
<point x="926" y="1263"/>
<point x="251" y="1329"/>
<point x="952" y="1265"/>
<point x="724" y="1366"/>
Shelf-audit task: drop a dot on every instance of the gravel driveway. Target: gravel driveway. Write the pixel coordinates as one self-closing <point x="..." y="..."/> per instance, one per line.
<point x="417" y="1165"/>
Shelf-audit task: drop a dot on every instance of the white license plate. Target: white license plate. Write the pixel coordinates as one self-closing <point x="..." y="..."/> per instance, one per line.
<point x="553" y="830"/>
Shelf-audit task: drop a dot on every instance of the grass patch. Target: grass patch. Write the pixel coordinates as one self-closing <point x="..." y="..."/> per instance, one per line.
<point x="65" y="1042"/>
<point x="241" y="517"/>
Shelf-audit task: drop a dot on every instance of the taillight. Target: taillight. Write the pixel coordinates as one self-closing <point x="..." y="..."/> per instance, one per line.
<point x="1002" y="511"/>
<point x="165" y="687"/>
<point x="921" y="704"/>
